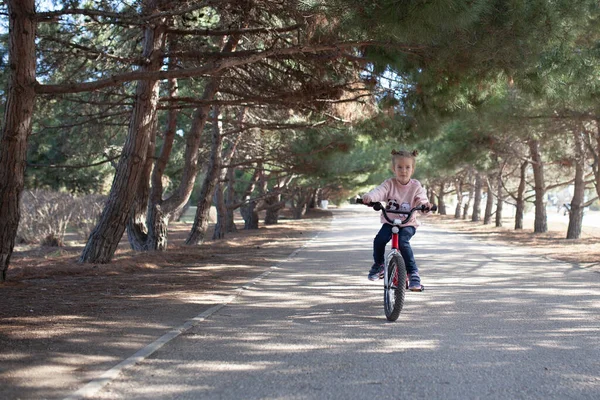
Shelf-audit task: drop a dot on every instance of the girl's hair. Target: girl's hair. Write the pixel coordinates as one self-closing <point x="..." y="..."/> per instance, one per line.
<point x="404" y="154"/>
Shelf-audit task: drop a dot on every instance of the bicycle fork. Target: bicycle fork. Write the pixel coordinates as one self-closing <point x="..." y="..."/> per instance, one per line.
<point x="395" y="251"/>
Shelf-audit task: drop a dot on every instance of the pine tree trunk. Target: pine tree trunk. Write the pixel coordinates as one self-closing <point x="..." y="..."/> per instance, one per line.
<point x="16" y="128"/>
<point x="440" y="199"/>
<point x="520" y="200"/>
<point x="229" y="201"/>
<point x="273" y="207"/>
<point x="499" y="199"/>
<point x="157" y="220"/>
<point x="137" y="230"/>
<point x="540" y="224"/>
<point x="576" y="213"/>
<point x="475" y="217"/>
<point x="200" y="227"/>
<point x="459" y="198"/>
<point x="250" y="215"/>
<point x="469" y="198"/>
<point x="222" y="227"/>
<point x="180" y="197"/>
<point x="596" y="166"/>
<point x="489" y="204"/>
<point x="158" y="229"/>
<point x="221" y="224"/>
<point x="105" y="237"/>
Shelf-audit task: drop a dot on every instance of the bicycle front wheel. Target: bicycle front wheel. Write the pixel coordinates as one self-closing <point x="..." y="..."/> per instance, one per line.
<point x="394" y="287"/>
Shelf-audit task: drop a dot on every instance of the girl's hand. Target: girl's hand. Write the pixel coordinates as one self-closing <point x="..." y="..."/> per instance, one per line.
<point x="366" y="198"/>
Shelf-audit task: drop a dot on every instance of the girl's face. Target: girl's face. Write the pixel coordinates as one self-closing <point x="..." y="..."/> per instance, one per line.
<point x="403" y="168"/>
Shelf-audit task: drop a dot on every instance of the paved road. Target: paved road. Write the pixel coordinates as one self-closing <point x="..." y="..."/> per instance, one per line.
<point x="493" y="323"/>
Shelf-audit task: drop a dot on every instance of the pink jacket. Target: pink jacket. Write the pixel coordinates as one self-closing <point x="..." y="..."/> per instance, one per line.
<point x="400" y="197"/>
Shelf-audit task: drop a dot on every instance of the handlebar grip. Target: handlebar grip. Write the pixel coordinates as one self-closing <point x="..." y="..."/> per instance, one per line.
<point x="433" y="208"/>
<point x="359" y="201"/>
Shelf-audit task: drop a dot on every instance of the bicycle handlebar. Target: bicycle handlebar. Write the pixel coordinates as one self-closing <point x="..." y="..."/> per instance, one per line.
<point x="378" y="206"/>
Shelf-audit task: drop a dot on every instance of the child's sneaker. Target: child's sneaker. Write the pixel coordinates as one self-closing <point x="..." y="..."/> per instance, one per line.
<point x="414" y="282"/>
<point x="376" y="272"/>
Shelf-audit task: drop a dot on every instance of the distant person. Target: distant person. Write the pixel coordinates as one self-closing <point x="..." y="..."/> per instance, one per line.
<point x="400" y="193"/>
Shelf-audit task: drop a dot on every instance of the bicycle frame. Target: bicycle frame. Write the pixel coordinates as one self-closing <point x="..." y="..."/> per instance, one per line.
<point x="393" y="252"/>
<point x="394" y="289"/>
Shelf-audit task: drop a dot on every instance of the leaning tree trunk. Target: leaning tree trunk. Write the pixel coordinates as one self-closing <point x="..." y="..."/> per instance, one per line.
<point x="520" y="199"/>
<point x="577" y="202"/>
<point x="219" y="232"/>
<point x="440" y="199"/>
<point x="475" y="217"/>
<point x="200" y="227"/>
<point x="18" y="112"/>
<point x="540" y="224"/>
<point x="470" y="197"/>
<point x="229" y="201"/>
<point x="137" y="231"/>
<point x="221" y="225"/>
<point x="160" y="211"/>
<point x="489" y="203"/>
<point x="157" y="220"/>
<point x="499" y="199"/>
<point x="250" y="215"/>
<point x="596" y="166"/>
<point x="105" y="237"/>
<point x="459" y="198"/>
<point x="248" y="207"/>
<point x="273" y="205"/>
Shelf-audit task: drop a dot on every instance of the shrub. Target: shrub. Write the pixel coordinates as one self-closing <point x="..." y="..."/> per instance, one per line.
<point x="46" y="215"/>
<point x="87" y="212"/>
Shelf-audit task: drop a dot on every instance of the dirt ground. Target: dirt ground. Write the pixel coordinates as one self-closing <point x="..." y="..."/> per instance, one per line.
<point x="63" y="323"/>
<point x="584" y="252"/>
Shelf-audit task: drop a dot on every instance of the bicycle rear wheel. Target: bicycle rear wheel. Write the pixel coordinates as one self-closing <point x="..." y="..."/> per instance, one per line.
<point x="394" y="287"/>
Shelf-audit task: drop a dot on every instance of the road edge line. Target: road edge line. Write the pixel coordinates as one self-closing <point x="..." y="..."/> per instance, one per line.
<point x="96" y="384"/>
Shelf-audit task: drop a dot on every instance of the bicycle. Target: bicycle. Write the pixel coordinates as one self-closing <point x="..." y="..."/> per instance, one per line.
<point x="393" y="290"/>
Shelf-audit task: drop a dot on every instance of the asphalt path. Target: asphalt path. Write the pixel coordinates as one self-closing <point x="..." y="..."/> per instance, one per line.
<point x="493" y="323"/>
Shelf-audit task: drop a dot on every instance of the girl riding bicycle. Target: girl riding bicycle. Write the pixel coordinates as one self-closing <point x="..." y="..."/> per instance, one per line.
<point x="400" y="193"/>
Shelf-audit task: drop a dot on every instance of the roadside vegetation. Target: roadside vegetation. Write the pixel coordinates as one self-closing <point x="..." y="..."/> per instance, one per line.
<point x="118" y="115"/>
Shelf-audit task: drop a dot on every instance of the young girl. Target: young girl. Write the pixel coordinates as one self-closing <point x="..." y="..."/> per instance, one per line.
<point x="401" y="193"/>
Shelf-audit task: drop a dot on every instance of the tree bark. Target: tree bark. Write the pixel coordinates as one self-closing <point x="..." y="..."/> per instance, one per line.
<point x="230" y="199"/>
<point x="16" y="129"/>
<point x="499" y="199"/>
<point x="221" y="227"/>
<point x="248" y="209"/>
<point x="489" y="204"/>
<point x="470" y="197"/>
<point x="199" y="228"/>
<point x="137" y="231"/>
<point x="540" y="224"/>
<point x="157" y="220"/>
<point x="520" y="199"/>
<point x="459" y="198"/>
<point x="577" y="202"/>
<point x="105" y="237"/>
<point x="440" y="199"/>
<point x="475" y="217"/>
<point x="161" y="210"/>
<point x="596" y="166"/>
<point x="273" y="205"/>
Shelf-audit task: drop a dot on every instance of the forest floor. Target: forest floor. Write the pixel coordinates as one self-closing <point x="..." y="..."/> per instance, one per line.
<point x="62" y="323"/>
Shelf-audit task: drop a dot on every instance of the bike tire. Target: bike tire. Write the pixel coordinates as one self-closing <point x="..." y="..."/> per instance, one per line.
<point x="393" y="292"/>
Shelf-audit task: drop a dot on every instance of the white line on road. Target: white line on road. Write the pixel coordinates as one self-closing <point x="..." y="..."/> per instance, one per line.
<point x="98" y="383"/>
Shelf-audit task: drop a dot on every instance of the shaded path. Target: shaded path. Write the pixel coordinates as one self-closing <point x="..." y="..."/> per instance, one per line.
<point x="493" y="323"/>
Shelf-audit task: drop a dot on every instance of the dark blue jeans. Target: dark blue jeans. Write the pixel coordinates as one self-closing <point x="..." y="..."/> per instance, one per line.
<point x="385" y="235"/>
